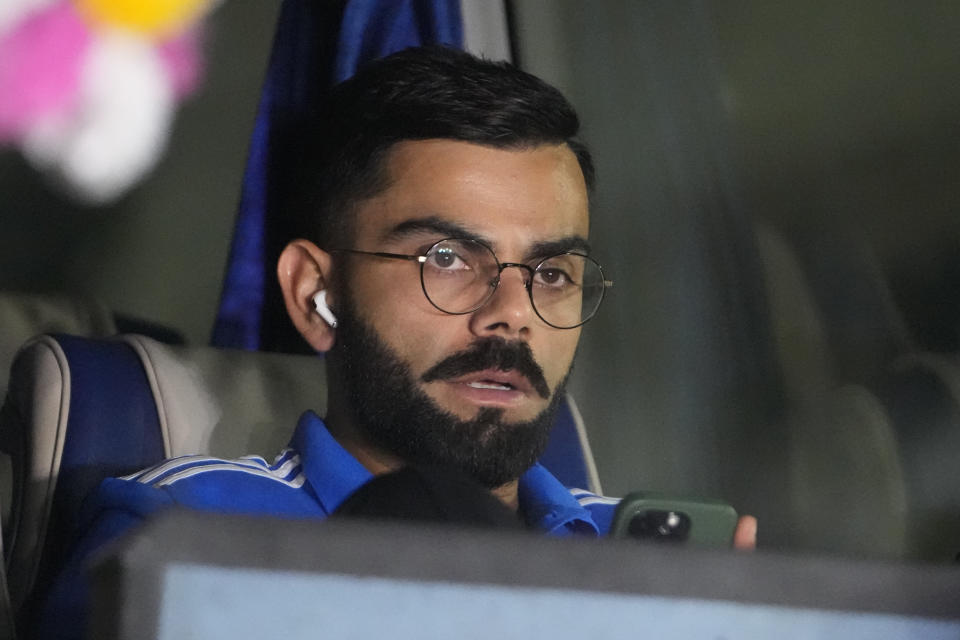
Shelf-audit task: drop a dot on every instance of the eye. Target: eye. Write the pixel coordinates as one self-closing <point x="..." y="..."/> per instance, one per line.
<point x="446" y="259"/>
<point x="552" y="277"/>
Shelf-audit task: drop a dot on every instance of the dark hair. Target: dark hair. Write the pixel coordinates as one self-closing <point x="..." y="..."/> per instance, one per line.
<point x="418" y="94"/>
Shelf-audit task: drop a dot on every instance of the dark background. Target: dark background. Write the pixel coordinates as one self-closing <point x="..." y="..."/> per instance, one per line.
<point x="777" y="203"/>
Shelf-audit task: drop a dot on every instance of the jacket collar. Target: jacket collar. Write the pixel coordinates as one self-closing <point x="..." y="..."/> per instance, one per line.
<point x="334" y="474"/>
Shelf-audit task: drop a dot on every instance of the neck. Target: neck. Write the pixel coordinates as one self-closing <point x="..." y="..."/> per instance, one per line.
<point x="375" y="459"/>
<point x="509" y="495"/>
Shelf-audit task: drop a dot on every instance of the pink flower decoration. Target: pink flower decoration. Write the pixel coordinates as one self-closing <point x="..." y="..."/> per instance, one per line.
<point x="40" y="64"/>
<point x="181" y="57"/>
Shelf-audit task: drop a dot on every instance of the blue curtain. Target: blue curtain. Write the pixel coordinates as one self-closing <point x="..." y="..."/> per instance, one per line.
<point x="317" y="44"/>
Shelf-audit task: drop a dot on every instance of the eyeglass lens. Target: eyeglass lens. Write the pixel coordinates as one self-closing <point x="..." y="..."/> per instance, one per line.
<point x="460" y="275"/>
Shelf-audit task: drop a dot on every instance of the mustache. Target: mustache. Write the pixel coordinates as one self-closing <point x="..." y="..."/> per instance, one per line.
<point x="491" y="353"/>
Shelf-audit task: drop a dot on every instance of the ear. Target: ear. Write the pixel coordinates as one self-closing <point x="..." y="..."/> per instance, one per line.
<point x="303" y="269"/>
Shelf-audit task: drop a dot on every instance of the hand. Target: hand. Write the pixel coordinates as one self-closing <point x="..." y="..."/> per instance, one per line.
<point x="745" y="535"/>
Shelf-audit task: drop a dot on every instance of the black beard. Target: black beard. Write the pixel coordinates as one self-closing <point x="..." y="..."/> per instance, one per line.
<point x="395" y="414"/>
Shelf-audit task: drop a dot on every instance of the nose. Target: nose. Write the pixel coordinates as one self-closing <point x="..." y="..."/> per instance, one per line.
<point x="508" y="313"/>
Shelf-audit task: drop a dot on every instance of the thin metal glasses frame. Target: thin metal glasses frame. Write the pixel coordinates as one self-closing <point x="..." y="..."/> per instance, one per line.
<point x="494" y="284"/>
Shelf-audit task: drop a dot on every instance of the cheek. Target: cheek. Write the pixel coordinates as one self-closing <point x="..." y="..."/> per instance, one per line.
<point x="390" y="296"/>
<point x="556" y="355"/>
<point x="413" y="328"/>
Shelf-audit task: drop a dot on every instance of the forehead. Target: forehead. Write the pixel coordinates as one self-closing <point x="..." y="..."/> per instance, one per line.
<point x="511" y="198"/>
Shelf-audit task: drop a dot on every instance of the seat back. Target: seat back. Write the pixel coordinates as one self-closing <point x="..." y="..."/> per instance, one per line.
<point x="875" y="471"/>
<point x="921" y="394"/>
<point x="52" y="381"/>
<point x="80" y="410"/>
<point x="25" y="315"/>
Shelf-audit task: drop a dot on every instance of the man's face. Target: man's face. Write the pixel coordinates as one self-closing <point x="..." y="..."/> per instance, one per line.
<point x="525" y="205"/>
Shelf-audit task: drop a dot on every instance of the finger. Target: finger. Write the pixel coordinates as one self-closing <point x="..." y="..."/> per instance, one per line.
<point x="745" y="535"/>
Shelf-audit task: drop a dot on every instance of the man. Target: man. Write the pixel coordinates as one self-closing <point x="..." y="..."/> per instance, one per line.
<point x="447" y="278"/>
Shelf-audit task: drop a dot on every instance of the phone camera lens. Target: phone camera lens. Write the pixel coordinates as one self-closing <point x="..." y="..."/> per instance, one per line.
<point x="662" y="526"/>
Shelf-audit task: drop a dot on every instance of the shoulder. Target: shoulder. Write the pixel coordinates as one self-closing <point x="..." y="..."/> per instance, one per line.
<point x="249" y="485"/>
<point x="285" y="470"/>
<point x="601" y="508"/>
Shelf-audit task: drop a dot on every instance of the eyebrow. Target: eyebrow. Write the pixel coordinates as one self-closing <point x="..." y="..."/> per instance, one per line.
<point x="446" y="228"/>
<point x="549" y="248"/>
<point x="434" y="224"/>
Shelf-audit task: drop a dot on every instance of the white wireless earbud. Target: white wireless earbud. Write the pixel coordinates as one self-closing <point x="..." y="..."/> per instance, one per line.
<point x="320" y="304"/>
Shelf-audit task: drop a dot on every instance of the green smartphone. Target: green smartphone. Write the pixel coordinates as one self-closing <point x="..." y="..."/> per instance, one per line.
<point x="661" y="518"/>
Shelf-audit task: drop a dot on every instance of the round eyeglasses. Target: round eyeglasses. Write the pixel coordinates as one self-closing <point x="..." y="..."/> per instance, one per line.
<point x="459" y="276"/>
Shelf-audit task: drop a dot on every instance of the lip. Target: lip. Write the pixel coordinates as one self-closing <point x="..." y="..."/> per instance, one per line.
<point x="517" y="388"/>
